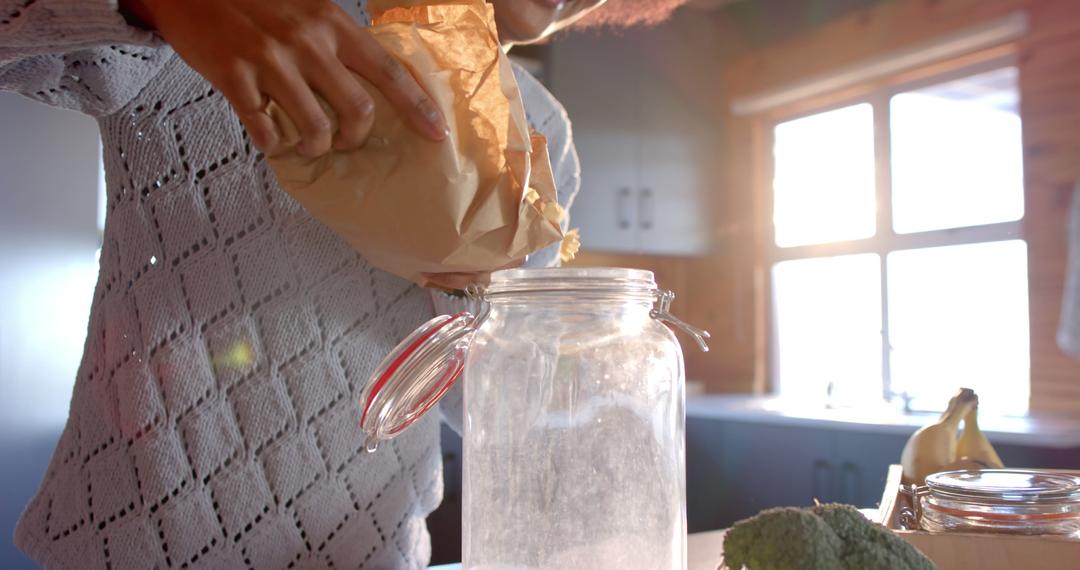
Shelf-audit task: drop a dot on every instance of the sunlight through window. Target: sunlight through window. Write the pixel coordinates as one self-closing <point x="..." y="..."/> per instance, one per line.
<point x="828" y="328"/>
<point x="824" y="182"/>
<point x="957" y="156"/>
<point x="958" y="317"/>
<point x="953" y="311"/>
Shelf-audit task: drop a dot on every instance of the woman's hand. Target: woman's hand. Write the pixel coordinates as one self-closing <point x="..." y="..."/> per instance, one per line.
<point x="289" y="51"/>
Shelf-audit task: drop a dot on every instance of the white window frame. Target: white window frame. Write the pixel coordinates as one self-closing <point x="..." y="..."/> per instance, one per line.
<point x="885" y="239"/>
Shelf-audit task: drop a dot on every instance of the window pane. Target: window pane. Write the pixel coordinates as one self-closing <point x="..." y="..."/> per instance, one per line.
<point x="823" y="185"/>
<point x="956" y="154"/>
<point x="958" y="317"/>
<point x="828" y="328"/>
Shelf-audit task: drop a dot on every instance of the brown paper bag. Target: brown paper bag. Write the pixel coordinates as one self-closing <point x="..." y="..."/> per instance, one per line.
<point x="482" y="199"/>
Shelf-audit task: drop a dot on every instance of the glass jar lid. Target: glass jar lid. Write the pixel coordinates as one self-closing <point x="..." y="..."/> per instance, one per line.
<point x="1006" y="485"/>
<point x="415" y="376"/>
<point x="1013" y="501"/>
<point x="582" y="282"/>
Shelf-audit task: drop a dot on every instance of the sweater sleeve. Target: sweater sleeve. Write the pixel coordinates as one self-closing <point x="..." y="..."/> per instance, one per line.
<point x="76" y="54"/>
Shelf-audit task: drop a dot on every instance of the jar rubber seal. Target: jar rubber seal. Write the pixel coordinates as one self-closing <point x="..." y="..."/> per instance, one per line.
<point x="415" y="376"/>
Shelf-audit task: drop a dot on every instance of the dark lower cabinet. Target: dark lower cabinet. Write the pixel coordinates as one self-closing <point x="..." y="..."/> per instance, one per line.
<point x="734" y="469"/>
<point x="859" y="464"/>
<point x="756" y="466"/>
<point x="1032" y="456"/>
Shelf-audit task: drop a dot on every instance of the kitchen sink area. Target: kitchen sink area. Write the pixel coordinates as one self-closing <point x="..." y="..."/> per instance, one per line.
<point x="745" y="453"/>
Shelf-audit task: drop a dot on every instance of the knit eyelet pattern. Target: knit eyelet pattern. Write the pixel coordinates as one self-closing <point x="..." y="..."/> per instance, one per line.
<point x="214" y="419"/>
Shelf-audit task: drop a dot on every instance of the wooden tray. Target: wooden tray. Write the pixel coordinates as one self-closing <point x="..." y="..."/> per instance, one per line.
<point x="963" y="550"/>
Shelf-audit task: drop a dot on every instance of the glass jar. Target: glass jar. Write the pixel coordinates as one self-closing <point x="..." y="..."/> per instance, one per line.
<point x="1013" y="501"/>
<point x="574" y="418"/>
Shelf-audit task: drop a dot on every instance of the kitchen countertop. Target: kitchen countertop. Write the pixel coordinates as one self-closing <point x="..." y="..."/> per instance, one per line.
<point x="1055" y="431"/>
<point x="702" y="551"/>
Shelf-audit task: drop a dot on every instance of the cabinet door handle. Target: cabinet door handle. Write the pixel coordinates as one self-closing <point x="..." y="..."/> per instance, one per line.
<point x="849" y="478"/>
<point x="823" y="474"/>
<point x="645" y="209"/>
<point x="622" y="208"/>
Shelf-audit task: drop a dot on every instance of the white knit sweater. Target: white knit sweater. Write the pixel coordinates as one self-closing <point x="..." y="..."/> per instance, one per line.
<point x="214" y="417"/>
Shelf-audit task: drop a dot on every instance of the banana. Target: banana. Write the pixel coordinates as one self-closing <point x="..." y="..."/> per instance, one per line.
<point x="973" y="445"/>
<point x="935" y="446"/>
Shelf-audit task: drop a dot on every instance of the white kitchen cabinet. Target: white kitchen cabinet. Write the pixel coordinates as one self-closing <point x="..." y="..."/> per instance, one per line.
<point x="644" y="146"/>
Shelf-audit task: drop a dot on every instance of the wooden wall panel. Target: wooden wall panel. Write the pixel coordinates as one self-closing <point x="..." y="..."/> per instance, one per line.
<point x="887" y="28"/>
<point x="1050" y="109"/>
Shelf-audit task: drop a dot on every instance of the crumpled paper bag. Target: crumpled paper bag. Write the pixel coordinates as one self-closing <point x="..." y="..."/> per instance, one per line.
<point x="480" y="200"/>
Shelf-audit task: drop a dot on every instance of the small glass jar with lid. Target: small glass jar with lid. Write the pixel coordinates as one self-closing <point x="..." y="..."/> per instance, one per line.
<point x="574" y="418"/>
<point x="1012" y="501"/>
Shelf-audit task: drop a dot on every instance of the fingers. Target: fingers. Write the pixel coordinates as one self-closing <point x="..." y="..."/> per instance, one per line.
<point x="285" y="84"/>
<point x="352" y="104"/>
<point x="242" y="91"/>
<point x="263" y="132"/>
<point x="363" y="54"/>
<point x="296" y="53"/>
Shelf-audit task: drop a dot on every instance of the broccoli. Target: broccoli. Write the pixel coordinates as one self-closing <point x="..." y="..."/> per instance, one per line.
<point x="825" y="537"/>
<point x="869" y="545"/>
<point x="782" y="539"/>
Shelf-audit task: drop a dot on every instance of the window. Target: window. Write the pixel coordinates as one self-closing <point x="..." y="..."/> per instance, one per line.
<point x="899" y="269"/>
